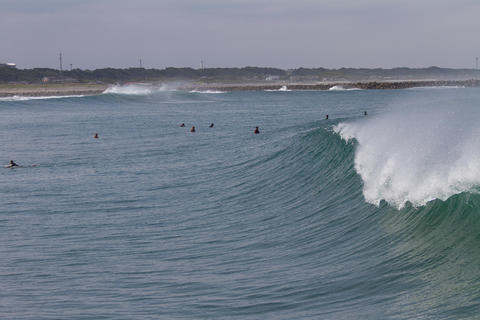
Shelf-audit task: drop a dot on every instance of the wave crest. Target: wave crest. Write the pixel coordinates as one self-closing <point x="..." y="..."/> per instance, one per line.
<point x="416" y="154"/>
<point x="281" y="89"/>
<point x="341" y="88"/>
<point x="207" y="91"/>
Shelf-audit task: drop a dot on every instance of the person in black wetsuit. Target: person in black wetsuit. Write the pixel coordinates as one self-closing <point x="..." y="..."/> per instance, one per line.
<point x="257" y="131"/>
<point x="211" y="125"/>
<point x="182" y="125"/>
<point x="12" y="164"/>
<point x="192" y="129"/>
<point x="326" y="117"/>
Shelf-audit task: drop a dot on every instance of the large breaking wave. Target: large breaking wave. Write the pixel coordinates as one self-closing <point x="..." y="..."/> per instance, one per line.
<point x="417" y="152"/>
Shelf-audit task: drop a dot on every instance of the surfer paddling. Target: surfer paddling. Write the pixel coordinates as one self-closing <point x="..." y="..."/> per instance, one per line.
<point x="12" y="164"/>
<point x="192" y="129"/>
<point x="257" y="131"/>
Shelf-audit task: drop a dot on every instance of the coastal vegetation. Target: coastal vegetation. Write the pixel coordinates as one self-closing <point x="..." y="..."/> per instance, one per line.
<point x="230" y="75"/>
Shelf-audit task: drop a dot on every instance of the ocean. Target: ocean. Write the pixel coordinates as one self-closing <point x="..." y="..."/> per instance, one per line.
<point x="354" y="217"/>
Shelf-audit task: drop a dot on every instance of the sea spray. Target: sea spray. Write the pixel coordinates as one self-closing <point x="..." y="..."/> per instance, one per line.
<point x="341" y="88"/>
<point x="139" y="89"/>
<point x="417" y="152"/>
<point x="281" y="89"/>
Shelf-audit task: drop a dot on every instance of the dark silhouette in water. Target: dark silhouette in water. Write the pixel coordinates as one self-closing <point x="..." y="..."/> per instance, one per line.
<point x="365" y="113"/>
<point x="326" y="117"/>
<point x="12" y="164"/>
<point x="211" y="125"/>
<point x="192" y="129"/>
<point x="95" y="136"/>
<point x="257" y="131"/>
<point x="182" y="125"/>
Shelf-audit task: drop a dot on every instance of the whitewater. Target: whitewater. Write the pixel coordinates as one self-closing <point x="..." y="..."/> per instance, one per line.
<point x="355" y="217"/>
<point x="419" y="151"/>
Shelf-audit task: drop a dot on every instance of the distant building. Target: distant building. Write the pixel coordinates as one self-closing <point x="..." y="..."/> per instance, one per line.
<point x="8" y="65"/>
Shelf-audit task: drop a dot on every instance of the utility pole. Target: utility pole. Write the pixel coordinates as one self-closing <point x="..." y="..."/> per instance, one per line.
<point x="476" y="63"/>
<point x="60" y="58"/>
<point x="71" y="67"/>
<point x="141" y="63"/>
<point x="201" y="64"/>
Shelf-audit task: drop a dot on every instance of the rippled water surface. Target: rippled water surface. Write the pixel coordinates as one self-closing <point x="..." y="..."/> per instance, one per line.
<point x="151" y="221"/>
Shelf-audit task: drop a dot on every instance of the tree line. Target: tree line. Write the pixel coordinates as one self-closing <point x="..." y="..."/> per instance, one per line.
<point x="118" y="75"/>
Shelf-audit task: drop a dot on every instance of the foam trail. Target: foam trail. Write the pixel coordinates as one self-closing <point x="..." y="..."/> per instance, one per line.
<point x="417" y="153"/>
<point x="207" y="91"/>
<point x="437" y="88"/>
<point x="26" y="98"/>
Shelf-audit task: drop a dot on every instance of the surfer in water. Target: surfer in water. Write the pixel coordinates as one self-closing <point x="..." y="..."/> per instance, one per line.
<point x="12" y="164"/>
<point x="257" y="131"/>
<point x="211" y="125"/>
<point x="192" y="129"/>
<point x="365" y="113"/>
<point x="182" y="125"/>
<point x="326" y="117"/>
<point x="95" y="136"/>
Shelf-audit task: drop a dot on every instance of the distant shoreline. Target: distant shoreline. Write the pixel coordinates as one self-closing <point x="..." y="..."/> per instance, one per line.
<point x="72" y="89"/>
<point x="51" y="90"/>
<point x="367" y="85"/>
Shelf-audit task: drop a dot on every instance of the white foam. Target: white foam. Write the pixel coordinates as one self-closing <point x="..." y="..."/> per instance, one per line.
<point x="416" y="153"/>
<point x="341" y="88"/>
<point x="207" y="91"/>
<point x="437" y="87"/>
<point x="281" y="89"/>
<point x="130" y="89"/>
<point x="138" y="89"/>
<point x="26" y="98"/>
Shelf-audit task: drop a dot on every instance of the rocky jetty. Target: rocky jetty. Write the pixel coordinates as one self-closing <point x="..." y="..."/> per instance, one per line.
<point x="387" y="85"/>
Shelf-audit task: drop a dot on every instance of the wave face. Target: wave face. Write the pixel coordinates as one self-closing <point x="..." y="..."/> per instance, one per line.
<point x="417" y="152"/>
<point x="355" y="217"/>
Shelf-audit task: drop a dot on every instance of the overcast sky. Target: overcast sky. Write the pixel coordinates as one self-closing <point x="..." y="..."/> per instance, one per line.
<point x="235" y="33"/>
